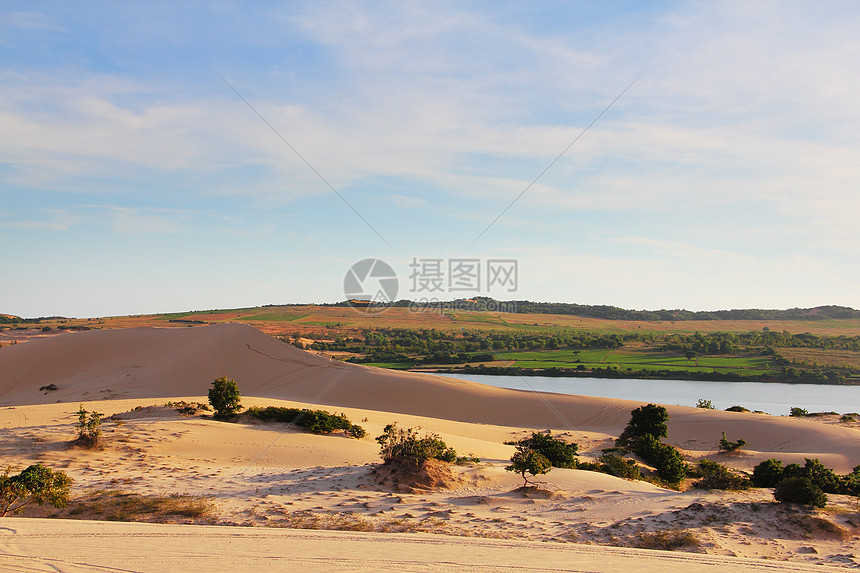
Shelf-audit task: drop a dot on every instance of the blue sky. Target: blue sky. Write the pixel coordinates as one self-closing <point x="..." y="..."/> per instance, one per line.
<point x="133" y="180"/>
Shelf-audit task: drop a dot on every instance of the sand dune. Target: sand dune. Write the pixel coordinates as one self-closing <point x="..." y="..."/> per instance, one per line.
<point x="170" y="362"/>
<point x="277" y="477"/>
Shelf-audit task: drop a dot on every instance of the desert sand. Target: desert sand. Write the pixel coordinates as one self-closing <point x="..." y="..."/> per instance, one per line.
<point x="261" y="488"/>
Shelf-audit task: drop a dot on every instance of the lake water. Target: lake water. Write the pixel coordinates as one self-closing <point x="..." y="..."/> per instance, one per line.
<point x="771" y="397"/>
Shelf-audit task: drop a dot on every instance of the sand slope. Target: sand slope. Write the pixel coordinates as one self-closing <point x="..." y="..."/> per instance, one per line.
<point x="76" y="546"/>
<point x="169" y="362"/>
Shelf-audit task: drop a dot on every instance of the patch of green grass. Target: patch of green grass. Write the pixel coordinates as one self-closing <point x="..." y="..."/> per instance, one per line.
<point x="273" y="317"/>
<point x="391" y="365"/>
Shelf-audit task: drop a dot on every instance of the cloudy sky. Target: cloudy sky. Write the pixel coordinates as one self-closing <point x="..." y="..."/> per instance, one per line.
<point x="134" y="179"/>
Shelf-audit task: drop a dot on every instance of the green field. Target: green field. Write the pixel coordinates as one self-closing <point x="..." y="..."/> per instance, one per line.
<point x="638" y="360"/>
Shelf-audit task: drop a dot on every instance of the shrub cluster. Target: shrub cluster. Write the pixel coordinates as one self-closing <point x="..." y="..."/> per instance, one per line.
<point x="314" y="421"/>
<point x="613" y="464"/>
<point x="770" y="473"/>
<point x="405" y="445"/>
<point x="718" y="476"/>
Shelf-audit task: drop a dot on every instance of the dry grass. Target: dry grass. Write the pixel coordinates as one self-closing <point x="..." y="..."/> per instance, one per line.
<point x="667" y="539"/>
<point x="120" y="505"/>
<point x="816" y="356"/>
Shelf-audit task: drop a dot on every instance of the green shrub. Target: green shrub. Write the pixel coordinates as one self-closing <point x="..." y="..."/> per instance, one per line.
<point x="736" y="409"/>
<point x="36" y="484"/>
<point x="647" y="420"/>
<point x="224" y="397"/>
<point x="718" y="476"/>
<point x="314" y="421"/>
<point x="619" y="467"/>
<point x="560" y="454"/>
<point x="728" y="447"/>
<point x="89" y="428"/>
<point x="768" y="473"/>
<point x="529" y="461"/>
<point x="666" y="459"/>
<point x="404" y="445"/>
<point x="821" y="476"/>
<point x="799" y="490"/>
<point x="798" y="412"/>
<point x="704" y="404"/>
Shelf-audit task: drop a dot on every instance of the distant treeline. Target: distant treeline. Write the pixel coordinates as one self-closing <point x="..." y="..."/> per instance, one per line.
<point x="617" y="313"/>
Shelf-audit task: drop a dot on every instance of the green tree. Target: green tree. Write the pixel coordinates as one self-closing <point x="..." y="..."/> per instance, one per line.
<point x="705" y="404"/>
<point x="36" y="483"/>
<point x="528" y="461"/>
<point x="647" y="420"/>
<point x="224" y="397"/>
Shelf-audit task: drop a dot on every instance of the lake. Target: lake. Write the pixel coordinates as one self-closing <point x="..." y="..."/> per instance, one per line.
<point x="771" y="397"/>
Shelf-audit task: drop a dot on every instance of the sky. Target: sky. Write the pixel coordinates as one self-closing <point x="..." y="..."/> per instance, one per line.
<point x="164" y="157"/>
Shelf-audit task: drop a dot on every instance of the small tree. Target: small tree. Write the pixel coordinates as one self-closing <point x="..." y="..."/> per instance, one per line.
<point x="89" y="428"/>
<point x="37" y="484"/>
<point x="224" y="397"/>
<point x="528" y="461"/>
<point x="705" y="404"/>
<point x="560" y="454"/>
<point x="647" y="420"/>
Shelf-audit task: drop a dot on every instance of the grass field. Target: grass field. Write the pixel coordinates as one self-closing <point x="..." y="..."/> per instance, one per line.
<point x="629" y="359"/>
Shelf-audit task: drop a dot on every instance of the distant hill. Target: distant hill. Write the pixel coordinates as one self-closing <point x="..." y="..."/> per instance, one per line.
<point x="617" y="313"/>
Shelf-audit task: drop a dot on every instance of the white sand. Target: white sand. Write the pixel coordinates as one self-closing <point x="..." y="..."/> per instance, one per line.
<point x="275" y="476"/>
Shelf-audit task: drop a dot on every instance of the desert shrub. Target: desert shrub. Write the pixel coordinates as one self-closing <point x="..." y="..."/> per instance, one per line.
<point x="728" y="447"/>
<point x="526" y="460"/>
<point x="847" y="418"/>
<point x="768" y="473"/>
<point x="89" y="428"/>
<point x="704" y="404"/>
<point x="224" y="397"/>
<point x="188" y="408"/>
<point x="798" y="412"/>
<point x="821" y="476"/>
<point x="647" y="420"/>
<point x="737" y="409"/>
<point x="619" y="467"/>
<point x="666" y="459"/>
<point x="560" y="454"/>
<point x="36" y="484"/>
<point x="404" y="445"/>
<point x="799" y="490"/>
<point x="718" y="476"/>
<point x="314" y="421"/>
